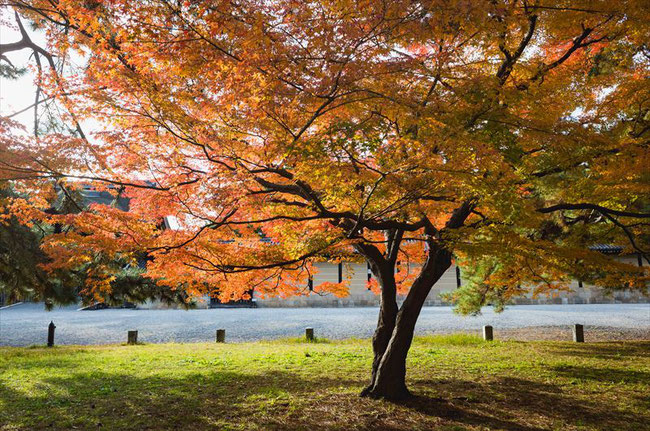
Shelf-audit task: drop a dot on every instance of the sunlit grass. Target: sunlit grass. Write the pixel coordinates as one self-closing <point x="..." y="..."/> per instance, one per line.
<point x="460" y="381"/>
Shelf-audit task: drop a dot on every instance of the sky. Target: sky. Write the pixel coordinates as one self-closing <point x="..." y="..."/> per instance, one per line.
<point x="18" y="94"/>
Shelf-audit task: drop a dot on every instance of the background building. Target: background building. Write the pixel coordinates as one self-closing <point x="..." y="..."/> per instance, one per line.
<point x="360" y="296"/>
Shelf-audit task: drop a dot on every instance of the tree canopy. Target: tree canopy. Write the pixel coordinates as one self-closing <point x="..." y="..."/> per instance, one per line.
<point x="508" y="135"/>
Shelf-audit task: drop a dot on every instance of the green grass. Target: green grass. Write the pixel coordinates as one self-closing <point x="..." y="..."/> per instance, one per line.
<point x="460" y="382"/>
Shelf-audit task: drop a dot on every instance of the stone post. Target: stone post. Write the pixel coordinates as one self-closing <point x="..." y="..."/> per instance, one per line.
<point x="50" y="334"/>
<point x="578" y="333"/>
<point x="309" y="334"/>
<point x="487" y="333"/>
<point x="221" y="335"/>
<point x="132" y="337"/>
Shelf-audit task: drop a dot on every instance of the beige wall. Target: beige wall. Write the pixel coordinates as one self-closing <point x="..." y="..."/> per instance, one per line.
<point x="361" y="296"/>
<point x="359" y="293"/>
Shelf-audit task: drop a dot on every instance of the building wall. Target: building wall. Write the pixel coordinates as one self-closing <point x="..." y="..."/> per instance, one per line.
<point x="584" y="293"/>
<point x="361" y="296"/>
<point x="359" y="293"/>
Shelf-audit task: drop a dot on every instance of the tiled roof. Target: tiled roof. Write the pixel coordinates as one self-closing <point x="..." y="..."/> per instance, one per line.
<point x="105" y="198"/>
<point x="607" y="248"/>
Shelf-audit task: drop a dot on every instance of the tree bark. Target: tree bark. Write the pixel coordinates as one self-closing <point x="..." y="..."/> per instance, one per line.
<point x="389" y="364"/>
<point x="383" y="268"/>
<point x="387" y="317"/>
<point x="389" y="377"/>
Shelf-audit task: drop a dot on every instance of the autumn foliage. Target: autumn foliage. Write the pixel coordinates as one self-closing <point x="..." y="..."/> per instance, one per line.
<point x="508" y="135"/>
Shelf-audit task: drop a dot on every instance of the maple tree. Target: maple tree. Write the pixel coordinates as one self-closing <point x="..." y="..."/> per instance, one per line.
<point x="507" y="135"/>
<point x="23" y="262"/>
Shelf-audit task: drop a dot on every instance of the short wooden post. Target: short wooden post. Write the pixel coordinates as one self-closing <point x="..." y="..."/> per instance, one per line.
<point x="132" y="337"/>
<point x="309" y="334"/>
<point x="578" y="333"/>
<point x="487" y="333"/>
<point x="50" y="334"/>
<point x="221" y="335"/>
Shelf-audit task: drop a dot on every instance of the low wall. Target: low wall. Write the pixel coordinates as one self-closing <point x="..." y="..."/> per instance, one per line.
<point x="360" y="296"/>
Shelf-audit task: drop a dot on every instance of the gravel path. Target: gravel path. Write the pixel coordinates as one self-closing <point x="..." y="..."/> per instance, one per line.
<point x="26" y="324"/>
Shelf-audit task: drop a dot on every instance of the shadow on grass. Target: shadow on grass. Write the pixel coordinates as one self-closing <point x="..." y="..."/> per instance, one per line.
<point x="604" y="375"/>
<point x="610" y="350"/>
<point x="195" y="401"/>
<point x="217" y="395"/>
<point x="281" y="400"/>
<point x="523" y="405"/>
<point x="454" y="412"/>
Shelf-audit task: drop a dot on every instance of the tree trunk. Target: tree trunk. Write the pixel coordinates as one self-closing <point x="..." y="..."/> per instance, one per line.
<point x="389" y="377"/>
<point x="387" y="316"/>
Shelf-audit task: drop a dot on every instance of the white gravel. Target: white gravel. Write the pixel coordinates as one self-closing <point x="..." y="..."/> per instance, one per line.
<point x="26" y="324"/>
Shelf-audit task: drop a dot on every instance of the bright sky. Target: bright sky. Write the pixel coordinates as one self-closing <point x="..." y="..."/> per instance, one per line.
<point x="18" y="94"/>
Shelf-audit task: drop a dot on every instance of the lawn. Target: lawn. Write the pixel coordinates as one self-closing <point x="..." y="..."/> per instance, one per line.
<point x="460" y="382"/>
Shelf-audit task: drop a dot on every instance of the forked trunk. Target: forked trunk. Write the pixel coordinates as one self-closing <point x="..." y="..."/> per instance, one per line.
<point x="387" y="317"/>
<point x="389" y="375"/>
